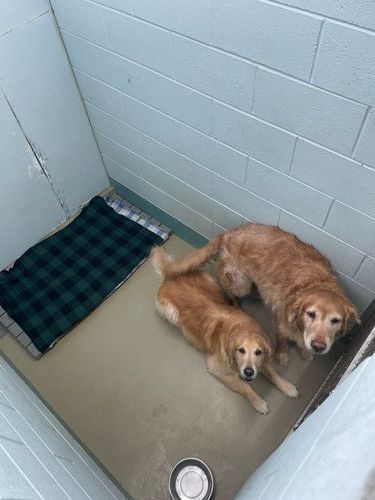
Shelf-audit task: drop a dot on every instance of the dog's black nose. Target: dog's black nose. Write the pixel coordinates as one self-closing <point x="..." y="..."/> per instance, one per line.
<point x="248" y="372"/>
<point x="318" y="346"/>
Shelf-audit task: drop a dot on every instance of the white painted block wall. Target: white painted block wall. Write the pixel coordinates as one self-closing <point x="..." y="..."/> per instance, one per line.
<point x="331" y="456"/>
<point x="221" y="111"/>
<point x="38" y="457"/>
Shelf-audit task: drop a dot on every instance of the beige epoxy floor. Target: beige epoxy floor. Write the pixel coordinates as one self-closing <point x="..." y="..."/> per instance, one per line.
<point x="140" y="398"/>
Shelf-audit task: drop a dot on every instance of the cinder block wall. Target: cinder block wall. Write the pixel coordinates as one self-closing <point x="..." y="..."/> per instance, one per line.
<point x="223" y="111"/>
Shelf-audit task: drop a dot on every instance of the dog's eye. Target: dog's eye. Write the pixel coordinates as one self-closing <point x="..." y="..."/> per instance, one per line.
<point x="241" y="350"/>
<point x="311" y="314"/>
<point x="335" y="320"/>
<point x="258" y="352"/>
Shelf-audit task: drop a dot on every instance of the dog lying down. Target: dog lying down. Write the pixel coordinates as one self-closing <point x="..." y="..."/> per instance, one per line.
<point x="236" y="347"/>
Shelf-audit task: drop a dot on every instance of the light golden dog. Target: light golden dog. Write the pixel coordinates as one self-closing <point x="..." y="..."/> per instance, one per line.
<point x="295" y="280"/>
<point x="235" y="345"/>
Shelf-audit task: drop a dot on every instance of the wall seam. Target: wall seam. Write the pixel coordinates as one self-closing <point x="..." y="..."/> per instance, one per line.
<point x="355" y="274"/>
<point x="328" y="213"/>
<point x="246" y="173"/>
<point x="37" y="155"/>
<point x="278" y="218"/>
<point x="317" y="50"/>
<point x="254" y="90"/>
<point x="360" y="132"/>
<point x="292" y="158"/>
<point x="212" y="118"/>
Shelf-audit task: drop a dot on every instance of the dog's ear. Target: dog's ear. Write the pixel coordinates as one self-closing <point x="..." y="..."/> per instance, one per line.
<point x="268" y="350"/>
<point x="229" y="349"/>
<point x="294" y="313"/>
<point x="352" y="314"/>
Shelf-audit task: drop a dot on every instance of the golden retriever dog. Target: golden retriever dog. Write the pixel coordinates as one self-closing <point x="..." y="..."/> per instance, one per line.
<point x="295" y="280"/>
<point x="236" y="348"/>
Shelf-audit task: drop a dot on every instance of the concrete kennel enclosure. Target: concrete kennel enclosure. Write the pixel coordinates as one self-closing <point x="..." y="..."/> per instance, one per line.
<point x="218" y="112"/>
<point x="215" y="112"/>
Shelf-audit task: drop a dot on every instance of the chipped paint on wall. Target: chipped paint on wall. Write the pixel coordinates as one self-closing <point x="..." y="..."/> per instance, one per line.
<point x="34" y="167"/>
<point x="39" y="160"/>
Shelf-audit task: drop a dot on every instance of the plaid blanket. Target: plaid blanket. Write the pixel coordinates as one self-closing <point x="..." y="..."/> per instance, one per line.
<point x="59" y="281"/>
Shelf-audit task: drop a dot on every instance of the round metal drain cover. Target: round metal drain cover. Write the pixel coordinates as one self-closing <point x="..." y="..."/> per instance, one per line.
<point x="191" y="479"/>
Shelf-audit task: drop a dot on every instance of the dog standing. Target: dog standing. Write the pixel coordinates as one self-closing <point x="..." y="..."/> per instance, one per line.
<point x="236" y="347"/>
<point x="295" y="280"/>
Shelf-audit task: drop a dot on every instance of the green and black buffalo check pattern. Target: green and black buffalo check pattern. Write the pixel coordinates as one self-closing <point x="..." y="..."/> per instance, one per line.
<point x="59" y="281"/>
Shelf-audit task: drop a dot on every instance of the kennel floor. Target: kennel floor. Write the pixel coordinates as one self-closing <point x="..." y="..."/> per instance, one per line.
<point x="140" y="398"/>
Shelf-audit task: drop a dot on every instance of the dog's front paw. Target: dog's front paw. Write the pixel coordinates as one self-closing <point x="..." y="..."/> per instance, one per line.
<point x="261" y="407"/>
<point x="282" y="358"/>
<point x="290" y="390"/>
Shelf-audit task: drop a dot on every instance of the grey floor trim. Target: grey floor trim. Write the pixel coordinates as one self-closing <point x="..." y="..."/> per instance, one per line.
<point x="184" y="232"/>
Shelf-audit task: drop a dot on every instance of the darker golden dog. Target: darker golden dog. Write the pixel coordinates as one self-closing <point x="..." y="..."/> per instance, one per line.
<point x="293" y="278"/>
<point x="235" y="345"/>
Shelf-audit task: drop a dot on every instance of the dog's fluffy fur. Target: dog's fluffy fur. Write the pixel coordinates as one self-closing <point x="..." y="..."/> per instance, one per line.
<point x="235" y="345"/>
<point x="293" y="278"/>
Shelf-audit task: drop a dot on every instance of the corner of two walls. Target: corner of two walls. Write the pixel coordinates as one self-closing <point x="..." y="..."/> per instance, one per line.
<point x="221" y="112"/>
<point x="50" y="161"/>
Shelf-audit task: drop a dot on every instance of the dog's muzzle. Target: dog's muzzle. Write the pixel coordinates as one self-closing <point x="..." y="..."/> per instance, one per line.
<point x="248" y="374"/>
<point x="318" y="347"/>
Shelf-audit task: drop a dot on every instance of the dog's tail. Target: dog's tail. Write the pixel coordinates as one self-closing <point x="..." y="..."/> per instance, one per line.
<point x="194" y="259"/>
<point x="160" y="261"/>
